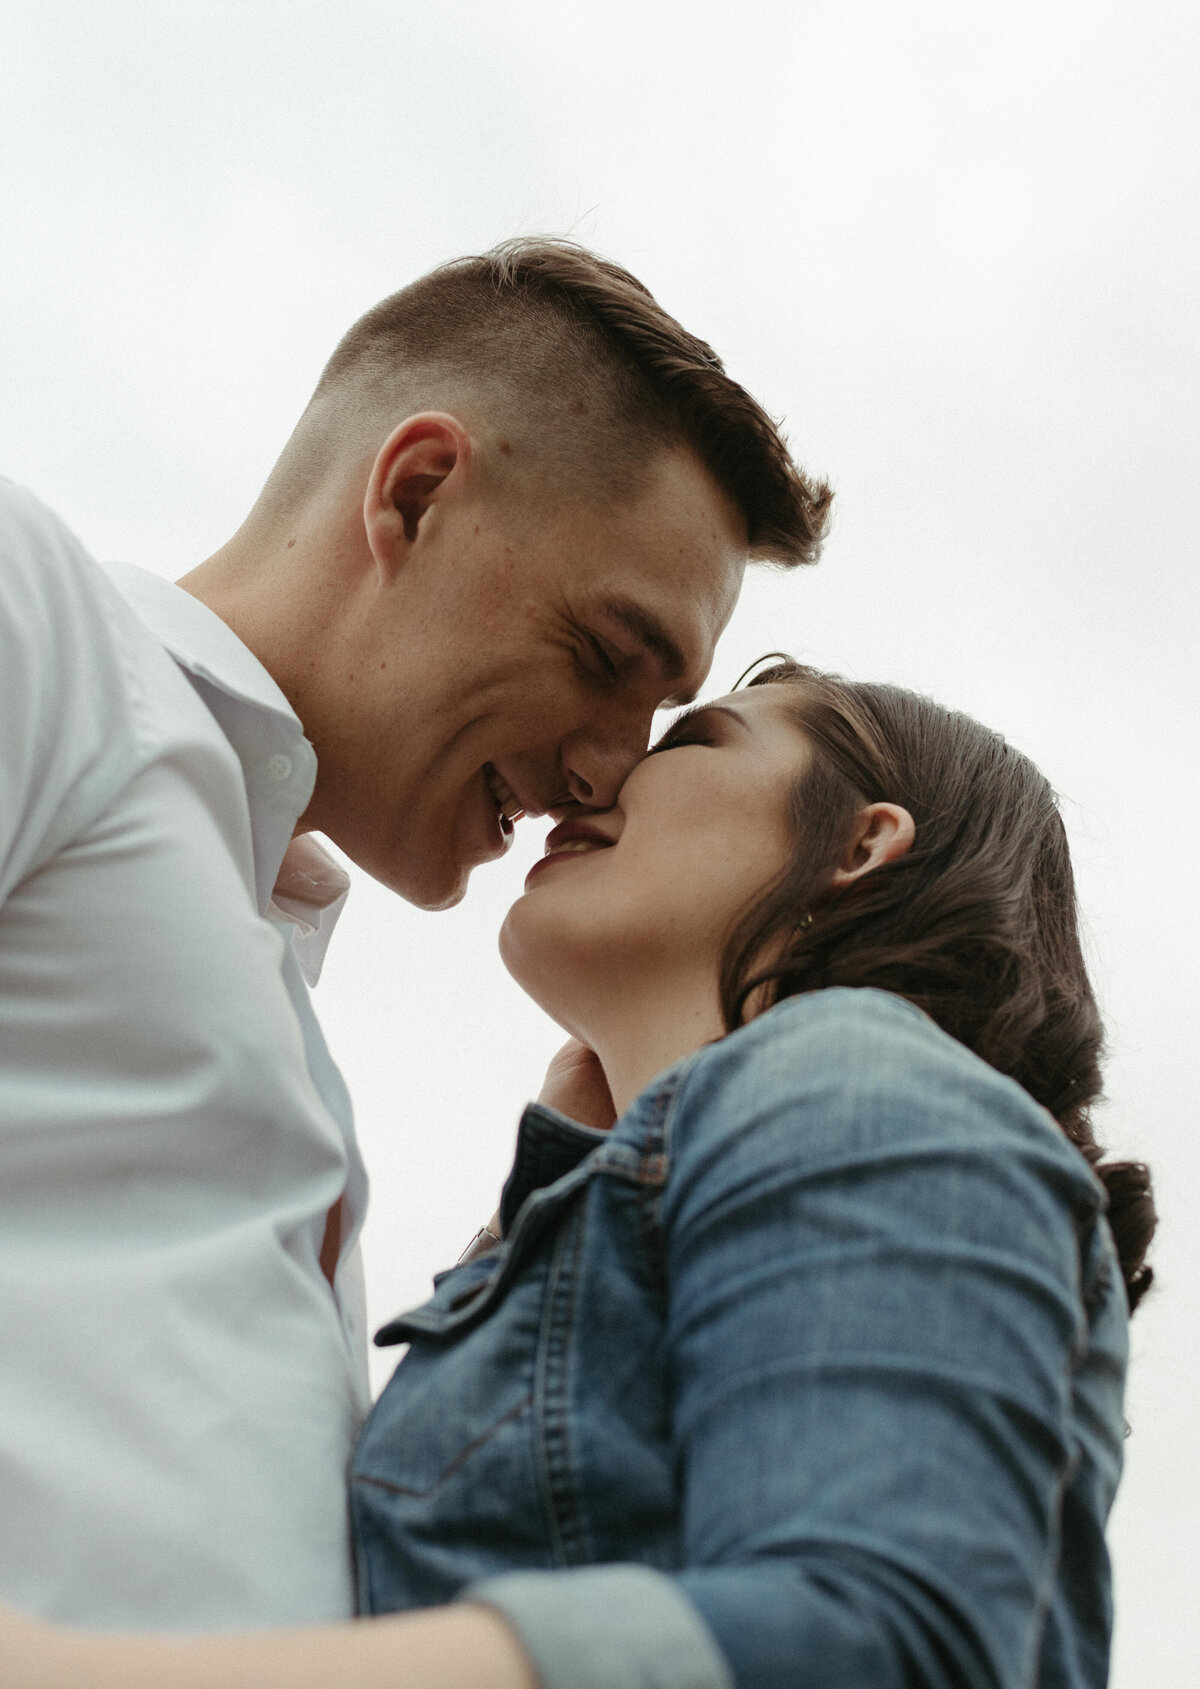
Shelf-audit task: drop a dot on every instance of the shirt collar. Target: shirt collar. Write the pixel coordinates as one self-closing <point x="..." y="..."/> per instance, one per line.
<point x="278" y="763"/>
<point x="199" y="640"/>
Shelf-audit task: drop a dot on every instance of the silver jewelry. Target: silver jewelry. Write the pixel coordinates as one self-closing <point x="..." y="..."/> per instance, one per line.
<point x="484" y="1240"/>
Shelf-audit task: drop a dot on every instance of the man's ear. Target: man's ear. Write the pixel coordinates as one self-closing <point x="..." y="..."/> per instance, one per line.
<point x="882" y="833"/>
<point x="416" y="465"/>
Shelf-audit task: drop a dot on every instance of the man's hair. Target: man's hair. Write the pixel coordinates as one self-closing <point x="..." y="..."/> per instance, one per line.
<point x="976" y="924"/>
<point x="576" y="373"/>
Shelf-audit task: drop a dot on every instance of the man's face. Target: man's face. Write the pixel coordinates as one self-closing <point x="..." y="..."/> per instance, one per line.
<point x="509" y="667"/>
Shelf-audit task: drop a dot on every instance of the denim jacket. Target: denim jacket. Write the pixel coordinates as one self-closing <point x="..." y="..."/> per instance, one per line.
<point x="809" y="1372"/>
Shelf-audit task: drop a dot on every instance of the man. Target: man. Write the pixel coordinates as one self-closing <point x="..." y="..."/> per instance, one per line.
<point x="510" y="524"/>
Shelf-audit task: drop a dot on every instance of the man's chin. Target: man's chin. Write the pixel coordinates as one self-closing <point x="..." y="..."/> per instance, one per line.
<point x="446" y="901"/>
<point x="432" y="879"/>
<point x="429" y="892"/>
<point x="426" y="885"/>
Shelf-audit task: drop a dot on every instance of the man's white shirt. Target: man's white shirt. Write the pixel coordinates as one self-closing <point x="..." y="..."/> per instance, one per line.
<point x="179" y="1386"/>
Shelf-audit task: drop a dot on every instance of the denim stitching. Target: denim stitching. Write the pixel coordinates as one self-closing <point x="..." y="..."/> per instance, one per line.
<point x="653" y="1169"/>
<point x="464" y="1454"/>
<point x="555" y="1350"/>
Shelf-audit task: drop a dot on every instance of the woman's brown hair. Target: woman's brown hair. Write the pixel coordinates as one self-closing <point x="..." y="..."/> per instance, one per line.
<point x="976" y="925"/>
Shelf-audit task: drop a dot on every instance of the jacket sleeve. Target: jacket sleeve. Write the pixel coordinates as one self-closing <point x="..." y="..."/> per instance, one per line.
<point x="872" y="1246"/>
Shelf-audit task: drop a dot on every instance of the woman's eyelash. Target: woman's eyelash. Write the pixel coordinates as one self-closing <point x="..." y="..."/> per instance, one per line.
<point x="683" y="733"/>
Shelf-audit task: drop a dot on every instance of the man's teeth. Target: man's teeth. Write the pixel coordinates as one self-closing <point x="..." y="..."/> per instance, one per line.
<point x="575" y="845"/>
<point x="510" y="803"/>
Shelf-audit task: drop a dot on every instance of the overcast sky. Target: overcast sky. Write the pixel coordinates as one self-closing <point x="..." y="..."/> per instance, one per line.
<point x="954" y="245"/>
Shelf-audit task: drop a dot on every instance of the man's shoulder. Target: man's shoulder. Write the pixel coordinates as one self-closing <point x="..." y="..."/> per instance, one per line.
<point x="45" y="571"/>
<point x="65" y="620"/>
<point x="29" y="528"/>
<point x="86" y="692"/>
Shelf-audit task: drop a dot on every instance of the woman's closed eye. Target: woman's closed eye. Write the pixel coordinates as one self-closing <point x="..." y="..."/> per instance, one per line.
<point x="691" y="728"/>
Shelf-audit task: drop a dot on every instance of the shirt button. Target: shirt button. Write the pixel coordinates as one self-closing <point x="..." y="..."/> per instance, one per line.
<point x="280" y="767"/>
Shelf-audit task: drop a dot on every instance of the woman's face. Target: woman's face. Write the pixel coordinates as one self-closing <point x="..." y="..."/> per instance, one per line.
<point x="649" y="888"/>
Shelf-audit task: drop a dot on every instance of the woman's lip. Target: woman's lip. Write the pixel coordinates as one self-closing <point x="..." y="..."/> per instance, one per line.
<point x="576" y="828"/>
<point x="563" y="855"/>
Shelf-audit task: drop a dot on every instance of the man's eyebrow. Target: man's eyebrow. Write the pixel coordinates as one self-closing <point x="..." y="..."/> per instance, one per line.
<point x="644" y="626"/>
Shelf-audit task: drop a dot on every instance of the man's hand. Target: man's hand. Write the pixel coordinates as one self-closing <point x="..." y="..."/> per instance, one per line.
<point x="575" y="1085"/>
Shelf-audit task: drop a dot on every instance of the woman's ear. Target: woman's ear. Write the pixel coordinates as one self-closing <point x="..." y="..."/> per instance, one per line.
<point x="882" y="833"/>
<point x="413" y="468"/>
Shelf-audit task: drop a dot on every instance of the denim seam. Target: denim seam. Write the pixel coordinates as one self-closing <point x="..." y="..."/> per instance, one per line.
<point x="653" y="1171"/>
<point x="1095" y="1283"/>
<point x="364" y="1592"/>
<point x="565" y="1519"/>
<point x="1047" y="1582"/>
<point x="464" y="1454"/>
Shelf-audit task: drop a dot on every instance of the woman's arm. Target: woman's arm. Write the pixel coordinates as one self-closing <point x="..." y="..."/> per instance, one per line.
<point x="461" y="1647"/>
<point x="875" y="1320"/>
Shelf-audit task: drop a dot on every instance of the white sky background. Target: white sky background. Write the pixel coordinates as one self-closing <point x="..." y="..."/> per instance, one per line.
<point x="955" y="245"/>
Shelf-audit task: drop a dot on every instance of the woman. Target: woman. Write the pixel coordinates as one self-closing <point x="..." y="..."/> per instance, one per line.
<point x="810" y="1369"/>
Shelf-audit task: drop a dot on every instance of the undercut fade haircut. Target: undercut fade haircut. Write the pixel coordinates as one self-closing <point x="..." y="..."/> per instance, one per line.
<point x="578" y="379"/>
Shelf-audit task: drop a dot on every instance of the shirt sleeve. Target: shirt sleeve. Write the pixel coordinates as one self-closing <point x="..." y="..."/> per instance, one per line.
<point x="874" y="1315"/>
<point x="65" y="741"/>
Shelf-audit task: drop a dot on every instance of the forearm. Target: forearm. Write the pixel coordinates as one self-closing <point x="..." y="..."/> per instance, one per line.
<point x="461" y="1647"/>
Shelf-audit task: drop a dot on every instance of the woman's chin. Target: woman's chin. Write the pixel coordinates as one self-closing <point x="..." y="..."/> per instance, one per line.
<point x="546" y="961"/>
<point x="530" y="954"/>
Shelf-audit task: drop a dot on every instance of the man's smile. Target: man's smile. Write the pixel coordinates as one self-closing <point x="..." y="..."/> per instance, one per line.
<point x="507" y="802"/>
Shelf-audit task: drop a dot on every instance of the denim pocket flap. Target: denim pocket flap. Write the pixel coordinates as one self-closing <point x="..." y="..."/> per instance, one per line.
<point x="468" y="1293"/>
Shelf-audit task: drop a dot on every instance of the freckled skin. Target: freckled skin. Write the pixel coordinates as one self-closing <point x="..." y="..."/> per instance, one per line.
<point x="472" y="684"/>
<point x="425" y="637"/>
<point x="607" y="938"/>
<point x="621" y="937"/>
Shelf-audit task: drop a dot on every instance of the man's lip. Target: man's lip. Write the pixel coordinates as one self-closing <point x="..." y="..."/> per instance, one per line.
<point x="530" y="806"/>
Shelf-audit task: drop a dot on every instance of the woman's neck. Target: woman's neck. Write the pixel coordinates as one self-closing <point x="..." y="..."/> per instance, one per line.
<point x="638" y="1034"/>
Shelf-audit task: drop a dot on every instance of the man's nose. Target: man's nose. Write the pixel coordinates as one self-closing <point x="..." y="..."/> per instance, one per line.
<point x="596" y="767"/>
